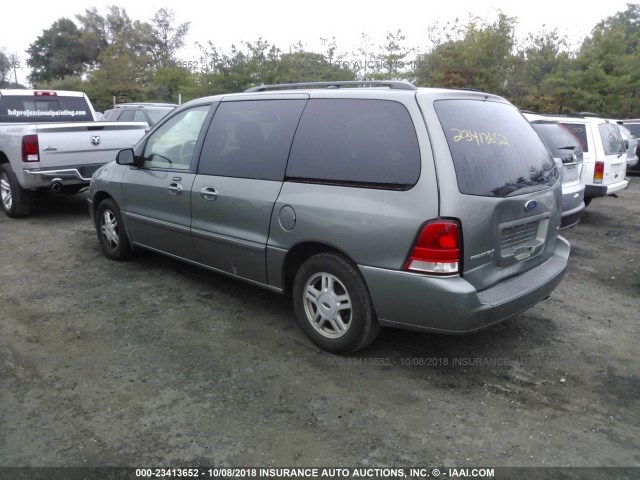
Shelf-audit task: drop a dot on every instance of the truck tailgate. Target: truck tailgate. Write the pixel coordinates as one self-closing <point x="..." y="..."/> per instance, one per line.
<point x="65" y="145"/>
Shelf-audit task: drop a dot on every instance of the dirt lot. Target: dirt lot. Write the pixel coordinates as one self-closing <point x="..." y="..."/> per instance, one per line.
<point x="155" y="363"/>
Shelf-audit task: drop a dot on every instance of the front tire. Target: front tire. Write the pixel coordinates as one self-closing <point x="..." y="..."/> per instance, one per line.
<point x="333" y="305"/>
<point x="15" y="200"/>
<point x="111" y="232"/>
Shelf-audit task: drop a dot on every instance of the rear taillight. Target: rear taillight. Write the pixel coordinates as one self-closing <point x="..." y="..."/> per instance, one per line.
<point x="45" y="93"/>
<point x="437" y="249"/>
<point x="598" y="172"/>
<point x="30" y="150"/>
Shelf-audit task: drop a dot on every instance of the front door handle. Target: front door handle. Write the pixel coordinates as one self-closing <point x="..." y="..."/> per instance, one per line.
<point x="209" y="193"/>
<point x="175" y="188"/>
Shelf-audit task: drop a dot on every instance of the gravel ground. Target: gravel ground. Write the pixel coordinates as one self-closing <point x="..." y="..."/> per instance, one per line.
<point x="155" y="363"/>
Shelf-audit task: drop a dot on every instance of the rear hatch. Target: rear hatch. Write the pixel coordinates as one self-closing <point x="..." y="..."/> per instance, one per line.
<point x="563" y="145"/>
<point x="615" y="164"/>
<point x="498" y="179"/>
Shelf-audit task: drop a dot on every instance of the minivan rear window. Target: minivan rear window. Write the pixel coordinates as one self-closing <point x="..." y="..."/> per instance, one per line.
<point x="495" y="151"/>
<point x="359" y="142"/>
<point x="561" y="142"/>
<point x="45" y="108"/>
<point x="580" y="131"/>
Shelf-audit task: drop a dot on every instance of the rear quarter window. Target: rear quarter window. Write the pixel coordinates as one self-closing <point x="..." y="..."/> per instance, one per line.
<point x="612" y="141"/>
<point x="495" y="151"/>
<point x="365" y="143"/>
<point x="40" y="109"/>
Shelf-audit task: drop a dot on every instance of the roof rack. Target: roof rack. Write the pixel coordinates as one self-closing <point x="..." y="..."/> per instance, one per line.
<point x="393" y="84"/>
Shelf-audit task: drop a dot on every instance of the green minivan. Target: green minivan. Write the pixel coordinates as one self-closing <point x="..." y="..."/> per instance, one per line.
<point x="373" y="204"/>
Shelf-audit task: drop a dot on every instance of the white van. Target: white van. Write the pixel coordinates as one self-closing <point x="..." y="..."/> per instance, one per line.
<point x="605" y="155"/>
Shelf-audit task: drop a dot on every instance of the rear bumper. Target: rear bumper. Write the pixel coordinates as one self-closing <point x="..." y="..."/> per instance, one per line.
<point x="571" y="218"/>
<point x="453" y="305"/>
<point x="46" y="177"/>
<point x="593" y="191"/>
<point x="572" y="204"/>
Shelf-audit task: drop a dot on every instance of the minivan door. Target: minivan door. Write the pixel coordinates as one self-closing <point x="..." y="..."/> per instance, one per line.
<point x="239" y="178"/>
<point x="157" y="195"/>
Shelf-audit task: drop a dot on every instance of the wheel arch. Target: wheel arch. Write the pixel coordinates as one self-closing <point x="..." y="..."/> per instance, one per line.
<point x="98" y="198"/>
<point x="299" y="254"/>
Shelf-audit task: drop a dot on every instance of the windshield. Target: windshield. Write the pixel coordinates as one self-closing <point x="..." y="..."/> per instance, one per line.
<point x="39" y="109"/>
<point x="495" y="150"/>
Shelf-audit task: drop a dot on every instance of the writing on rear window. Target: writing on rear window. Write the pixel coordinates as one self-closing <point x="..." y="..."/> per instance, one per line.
<point x="44" y="113"/>
<point x="481" y="138"/>
<point x="42" y="109"/>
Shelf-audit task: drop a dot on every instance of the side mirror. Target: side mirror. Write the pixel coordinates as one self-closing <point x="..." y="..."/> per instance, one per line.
<point x="126" y="157"/>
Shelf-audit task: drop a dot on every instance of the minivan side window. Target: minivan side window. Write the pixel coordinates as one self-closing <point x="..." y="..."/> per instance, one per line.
<point x="356" y="142"/>
<point x="172" y="145"/>
<point x="250" y="139"/>
<point x="495" y="151"/>
<point x="580" y="131"/>
<point x="611" y="139"/>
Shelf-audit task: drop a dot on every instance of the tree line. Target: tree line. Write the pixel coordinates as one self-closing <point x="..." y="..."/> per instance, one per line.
<point x="109" y="54"/>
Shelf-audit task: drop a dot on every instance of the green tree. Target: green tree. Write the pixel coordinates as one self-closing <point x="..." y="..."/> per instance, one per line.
<point x="392" y="60"/>
<point x="479" y="55"/>
<point x="5" y="69"/>
<point x="122" y="74"/>
<point x="608" y="66"/>
<point x="540" y="79"/>
<point x="167" y="38"/>
<point x="58" y="52"/>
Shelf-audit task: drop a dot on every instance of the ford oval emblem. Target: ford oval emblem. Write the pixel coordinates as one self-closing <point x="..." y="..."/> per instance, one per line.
<point x="530" y="205"/>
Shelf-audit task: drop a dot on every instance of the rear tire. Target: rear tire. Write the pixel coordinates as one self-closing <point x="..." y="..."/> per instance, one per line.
<point x="333" y="304"/>
<point x="15" y="200"/>
<point x="111" y="232"/>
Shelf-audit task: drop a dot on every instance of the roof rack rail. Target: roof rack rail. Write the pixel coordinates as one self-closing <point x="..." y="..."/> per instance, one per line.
<point x="393" y="84"/>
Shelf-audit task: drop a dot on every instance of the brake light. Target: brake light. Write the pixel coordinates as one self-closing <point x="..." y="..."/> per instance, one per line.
<point x="45" y="93"/>
<point x="30" y="148"/>
<point x="437" y="249"/>
<point x="598" y="173"/>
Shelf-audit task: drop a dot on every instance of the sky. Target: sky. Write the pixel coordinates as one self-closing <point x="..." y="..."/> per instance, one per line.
<point x="284" y="23"/>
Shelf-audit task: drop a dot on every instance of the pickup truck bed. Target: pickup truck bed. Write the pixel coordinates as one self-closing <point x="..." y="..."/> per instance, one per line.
<point x="50" y="140"/>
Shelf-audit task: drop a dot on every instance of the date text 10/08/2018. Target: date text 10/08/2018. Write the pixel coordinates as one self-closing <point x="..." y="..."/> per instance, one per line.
<point x="313" y="472"/>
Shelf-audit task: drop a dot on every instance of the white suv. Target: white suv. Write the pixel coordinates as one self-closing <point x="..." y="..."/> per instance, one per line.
<point x="605" y="155"/>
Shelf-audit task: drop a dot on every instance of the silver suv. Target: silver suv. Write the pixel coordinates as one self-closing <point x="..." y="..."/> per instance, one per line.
<point x="372" y="203"/>
<point x="567" y="149"/>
